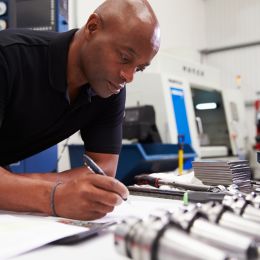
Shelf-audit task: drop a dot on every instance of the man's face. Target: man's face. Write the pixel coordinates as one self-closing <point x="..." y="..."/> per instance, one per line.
<point x="110" y="58"/>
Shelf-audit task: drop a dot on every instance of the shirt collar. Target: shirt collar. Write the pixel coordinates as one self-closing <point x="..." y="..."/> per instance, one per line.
<point x="58" y="60"/>
<point x="85" y="95"/>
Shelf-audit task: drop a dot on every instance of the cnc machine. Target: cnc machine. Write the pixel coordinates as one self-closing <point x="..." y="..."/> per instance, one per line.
<point x="177" y="90"/>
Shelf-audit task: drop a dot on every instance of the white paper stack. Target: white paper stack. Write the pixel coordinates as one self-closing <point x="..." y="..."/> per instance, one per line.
<point x="224" y="172"/>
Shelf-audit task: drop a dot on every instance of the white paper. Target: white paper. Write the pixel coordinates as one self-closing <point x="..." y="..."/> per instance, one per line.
<point x="138" y="207"/>
<point x="19" y="234"/>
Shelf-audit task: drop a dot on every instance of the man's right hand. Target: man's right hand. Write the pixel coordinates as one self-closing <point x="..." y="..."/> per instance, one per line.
<point x="89" y="197"/>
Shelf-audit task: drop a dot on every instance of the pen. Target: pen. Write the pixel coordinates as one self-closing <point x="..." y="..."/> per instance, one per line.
<point x="92" y="165"/>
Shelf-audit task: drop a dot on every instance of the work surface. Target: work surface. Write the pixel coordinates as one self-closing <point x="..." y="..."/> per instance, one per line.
<point x="102" y="246"/>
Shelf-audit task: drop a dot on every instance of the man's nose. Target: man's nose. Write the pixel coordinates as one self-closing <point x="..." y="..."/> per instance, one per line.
<point x="127" y="74"/>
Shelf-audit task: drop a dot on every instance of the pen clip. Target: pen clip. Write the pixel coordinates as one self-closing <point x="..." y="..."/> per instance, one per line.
<point x="92" y="165"/>
<point x="86" y="164"/>
<point x="89" y="168"/>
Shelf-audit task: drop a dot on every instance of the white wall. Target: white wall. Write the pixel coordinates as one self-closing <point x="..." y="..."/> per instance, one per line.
<point x="230" y="22"/>
<point x="182" y="23"/>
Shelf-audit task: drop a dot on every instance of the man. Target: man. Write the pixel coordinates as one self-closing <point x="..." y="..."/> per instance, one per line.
<point x="54" y="84"/>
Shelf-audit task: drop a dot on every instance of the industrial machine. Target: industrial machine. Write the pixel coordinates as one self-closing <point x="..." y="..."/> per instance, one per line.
<point x="139" y="124"/>
<point x="146" y="153"/>
<point x="189" y="100"/>
<point x="34" y="14"/>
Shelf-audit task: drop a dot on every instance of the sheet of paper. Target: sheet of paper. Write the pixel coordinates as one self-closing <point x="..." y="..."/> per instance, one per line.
<point x="19" y="234"/>
<point x="139" y="206"/>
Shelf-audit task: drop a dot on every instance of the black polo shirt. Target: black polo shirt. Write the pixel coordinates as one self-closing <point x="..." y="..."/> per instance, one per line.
<point x="35" y="112"/>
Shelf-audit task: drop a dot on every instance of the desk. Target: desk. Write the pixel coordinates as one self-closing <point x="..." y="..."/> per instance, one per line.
<point x="100" y="247"/>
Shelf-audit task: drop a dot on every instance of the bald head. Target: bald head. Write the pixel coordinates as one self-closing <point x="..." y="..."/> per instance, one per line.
<point x="131" y="13"/>
<point x="125" y="9"/>
<point x="119" y="39"/>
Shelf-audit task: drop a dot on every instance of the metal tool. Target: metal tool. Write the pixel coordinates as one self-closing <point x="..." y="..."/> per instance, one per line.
<point x="157" y="239"/>
<point x="223" y="216"/>
<point x="195" y="222"/>
<point x="157" y="182"/>
<point x="254" y="199"/>
<point x="243" y="205"/>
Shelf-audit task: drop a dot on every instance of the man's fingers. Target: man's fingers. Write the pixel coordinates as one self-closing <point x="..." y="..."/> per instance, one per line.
<point x="105" y="197"/>
<point x="102" y="208"/>
<point x="89" y="197"/>
<point x="111" y="184"/>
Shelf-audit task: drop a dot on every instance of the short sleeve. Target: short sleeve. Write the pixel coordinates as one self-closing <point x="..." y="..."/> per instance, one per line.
<point x="104" y="135"/>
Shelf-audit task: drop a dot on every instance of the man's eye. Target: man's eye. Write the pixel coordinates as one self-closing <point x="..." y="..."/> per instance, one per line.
<point x="140" y="69"/>
<point x="124" y="58"/>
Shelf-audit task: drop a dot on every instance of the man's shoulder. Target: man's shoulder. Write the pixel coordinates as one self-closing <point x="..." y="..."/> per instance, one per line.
<point x="28" y="37"/>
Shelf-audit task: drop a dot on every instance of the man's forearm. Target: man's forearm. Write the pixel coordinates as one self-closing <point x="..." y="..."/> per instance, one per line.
<point x="64" y="176"/>
<point x="18" y="193"/>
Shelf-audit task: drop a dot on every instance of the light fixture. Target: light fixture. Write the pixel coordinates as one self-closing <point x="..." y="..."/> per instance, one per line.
<point x="206" y="106"/>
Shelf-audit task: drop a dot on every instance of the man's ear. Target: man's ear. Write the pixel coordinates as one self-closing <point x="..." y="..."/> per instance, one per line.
<point x="93" y="24"/>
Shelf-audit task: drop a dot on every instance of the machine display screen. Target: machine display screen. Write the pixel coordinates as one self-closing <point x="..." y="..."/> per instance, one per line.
<point x="213" y="121"/>
<point x="132" y="115"/>
<point x="35" y="13"/>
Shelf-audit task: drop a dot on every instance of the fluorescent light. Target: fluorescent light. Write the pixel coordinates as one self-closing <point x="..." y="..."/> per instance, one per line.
<point x="206" y="106"/>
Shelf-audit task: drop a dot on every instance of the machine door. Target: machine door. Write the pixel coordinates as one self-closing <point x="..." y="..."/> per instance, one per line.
<point x="236" y="120"/>
<point x="181" y="119"/>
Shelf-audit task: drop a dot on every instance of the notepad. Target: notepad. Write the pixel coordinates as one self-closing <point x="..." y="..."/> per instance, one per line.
<point x="21" y="234"/>
<point x="93" y="229"/>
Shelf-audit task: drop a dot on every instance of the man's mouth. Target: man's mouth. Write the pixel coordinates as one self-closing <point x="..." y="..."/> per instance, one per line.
<point x="115" y="88"/>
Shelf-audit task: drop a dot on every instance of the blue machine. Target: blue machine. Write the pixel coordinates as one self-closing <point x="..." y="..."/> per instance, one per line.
<point x="45" y="161"/>
<point x="51" y="15"/>
<point x="180" y="113"/>
<point x="139" y="158"/>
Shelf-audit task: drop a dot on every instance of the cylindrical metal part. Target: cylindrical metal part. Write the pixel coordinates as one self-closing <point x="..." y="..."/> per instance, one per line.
<point x="243" y="206"/>
<point x="252" y="213"/>
<point x="254" y="199"/>
<point x="176" y="244"/>
<point x="123" y="232"/>
<point x="148" y="234"/>
<point x="238" y="223"/>
<point x="151" y="239"/>
<point x="237" y="244"/>
<point x="236" y="203"/>
<point x="221" y="214"/>
<point x="195" y="222"/>
<point x="141" y="248"/>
